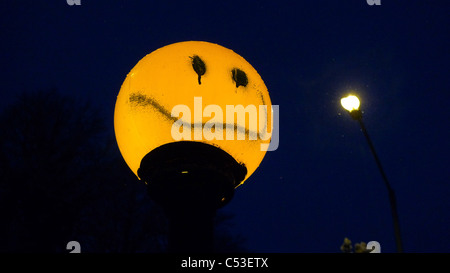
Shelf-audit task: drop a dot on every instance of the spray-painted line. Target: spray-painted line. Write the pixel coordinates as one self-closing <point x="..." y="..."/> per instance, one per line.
<point x="138" y="99"/>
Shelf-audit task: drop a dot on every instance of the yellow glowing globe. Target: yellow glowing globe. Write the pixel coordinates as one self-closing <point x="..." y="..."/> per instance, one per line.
<point x="194" y="91"/>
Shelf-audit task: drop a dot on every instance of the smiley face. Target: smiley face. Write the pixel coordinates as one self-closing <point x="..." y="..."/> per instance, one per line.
<point x="179" y="74"/>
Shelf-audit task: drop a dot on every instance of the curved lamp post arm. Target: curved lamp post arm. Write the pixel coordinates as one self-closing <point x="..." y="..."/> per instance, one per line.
<point x="351" y="104"/>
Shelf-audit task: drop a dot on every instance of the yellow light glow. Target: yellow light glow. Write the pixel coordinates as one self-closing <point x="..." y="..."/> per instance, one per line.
<point x="350" y="103"/>
<point x="192" y="74"/>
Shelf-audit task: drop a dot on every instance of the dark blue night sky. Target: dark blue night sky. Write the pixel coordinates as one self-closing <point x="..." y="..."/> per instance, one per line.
<point x="322" y="184"/>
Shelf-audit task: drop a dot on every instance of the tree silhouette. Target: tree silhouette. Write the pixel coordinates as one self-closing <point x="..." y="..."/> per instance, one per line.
<point x="52" y="150"/>
<point x="63" y="179"/>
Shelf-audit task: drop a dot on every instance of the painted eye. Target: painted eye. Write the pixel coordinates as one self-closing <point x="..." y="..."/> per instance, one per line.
<point x="239" y="77"/>
<point x="199" y="67"/>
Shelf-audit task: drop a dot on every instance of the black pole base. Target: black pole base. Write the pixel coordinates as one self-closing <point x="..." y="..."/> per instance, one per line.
<point x="191" y="180"/>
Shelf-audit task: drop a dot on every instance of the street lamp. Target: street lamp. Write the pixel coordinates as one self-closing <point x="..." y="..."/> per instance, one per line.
<point x="351" y="103"/>
<point x="180" y="124"/>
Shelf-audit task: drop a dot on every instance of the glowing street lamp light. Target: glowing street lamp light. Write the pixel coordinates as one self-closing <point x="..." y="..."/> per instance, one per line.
<point x="351" y="103"/>
<point x="179" y="126"/>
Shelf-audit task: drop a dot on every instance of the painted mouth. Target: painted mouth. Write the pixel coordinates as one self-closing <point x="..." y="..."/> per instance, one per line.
<point x="141" y="100"/>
